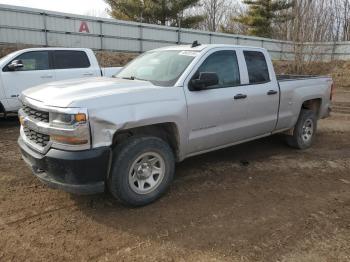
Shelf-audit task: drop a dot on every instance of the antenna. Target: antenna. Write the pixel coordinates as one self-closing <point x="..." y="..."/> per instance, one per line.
<point x="195" y="44"/>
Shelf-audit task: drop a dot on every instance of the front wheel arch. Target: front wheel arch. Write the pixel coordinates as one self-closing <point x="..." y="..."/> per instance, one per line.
<point x="169" y="132"/>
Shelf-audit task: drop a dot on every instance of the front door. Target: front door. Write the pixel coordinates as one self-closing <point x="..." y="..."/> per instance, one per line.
<point x="215" y="115"/>
<point x="35" y="71"/>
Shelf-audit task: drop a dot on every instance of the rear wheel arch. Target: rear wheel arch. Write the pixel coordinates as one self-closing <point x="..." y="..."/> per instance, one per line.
<point x="313" y="105"/>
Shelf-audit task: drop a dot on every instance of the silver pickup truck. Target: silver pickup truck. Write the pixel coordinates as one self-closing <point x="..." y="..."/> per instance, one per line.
<point x="125" y="134"/>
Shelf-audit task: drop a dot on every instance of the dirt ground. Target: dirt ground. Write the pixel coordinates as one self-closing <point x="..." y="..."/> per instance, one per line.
<point x="260" y="201"/>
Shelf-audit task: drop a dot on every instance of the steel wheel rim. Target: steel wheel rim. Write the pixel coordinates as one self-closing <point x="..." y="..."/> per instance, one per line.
<point x="146" y="172"/>
<point x="308" y="130"/>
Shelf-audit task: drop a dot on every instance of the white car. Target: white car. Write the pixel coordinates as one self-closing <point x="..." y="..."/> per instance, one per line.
<point x="31" y="67"/>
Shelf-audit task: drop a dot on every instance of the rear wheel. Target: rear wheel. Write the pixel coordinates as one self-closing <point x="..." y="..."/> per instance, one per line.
<point x="142" y="170"/>
<point x="304" y="130"/>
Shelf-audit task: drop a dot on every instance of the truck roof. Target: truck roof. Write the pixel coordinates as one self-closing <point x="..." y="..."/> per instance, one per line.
<point x="202" y="47"/>
<point x="54" y="48"/>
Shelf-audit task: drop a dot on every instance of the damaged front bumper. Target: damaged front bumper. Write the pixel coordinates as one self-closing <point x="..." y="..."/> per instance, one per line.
<point x="80" y="172"/>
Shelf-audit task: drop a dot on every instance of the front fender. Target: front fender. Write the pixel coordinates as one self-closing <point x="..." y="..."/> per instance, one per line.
<point x="105" y="123"/>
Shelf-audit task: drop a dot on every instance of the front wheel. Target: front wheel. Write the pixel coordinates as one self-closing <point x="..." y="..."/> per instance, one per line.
<point x="304" y="130"/>
<point x="142" y="170"/>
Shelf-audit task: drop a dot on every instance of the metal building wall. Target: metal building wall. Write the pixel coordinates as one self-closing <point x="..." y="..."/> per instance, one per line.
<point x="22" y="25"/>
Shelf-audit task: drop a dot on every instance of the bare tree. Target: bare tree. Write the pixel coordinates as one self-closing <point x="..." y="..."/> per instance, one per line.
<point x="346" y="35"/>
<point x="214" y="11"/>
<point x="314" y="21"/>
<point x="317" y="20"/>
<point x="229" y="23"/>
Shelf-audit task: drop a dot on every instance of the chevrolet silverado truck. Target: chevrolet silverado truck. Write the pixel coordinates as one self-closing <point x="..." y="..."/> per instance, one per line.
<point x="125" y="134"/>
<point x="34" y="66"/>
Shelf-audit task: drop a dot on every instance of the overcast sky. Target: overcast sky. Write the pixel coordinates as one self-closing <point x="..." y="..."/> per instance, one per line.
<point x="82" y="7"/>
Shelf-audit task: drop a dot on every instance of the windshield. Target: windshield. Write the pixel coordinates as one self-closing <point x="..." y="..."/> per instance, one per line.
<point x="161" y="68"/>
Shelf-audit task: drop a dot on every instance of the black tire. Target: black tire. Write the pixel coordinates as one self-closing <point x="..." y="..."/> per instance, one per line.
<point x="298" y="139"/>
<point x="124" y="156"/>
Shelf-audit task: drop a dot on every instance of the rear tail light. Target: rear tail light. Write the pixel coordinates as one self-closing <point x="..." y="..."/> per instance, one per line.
<point x="332" y="91"/>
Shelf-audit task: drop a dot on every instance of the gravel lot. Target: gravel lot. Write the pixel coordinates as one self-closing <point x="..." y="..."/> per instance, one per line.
<point x="260" y="201"/>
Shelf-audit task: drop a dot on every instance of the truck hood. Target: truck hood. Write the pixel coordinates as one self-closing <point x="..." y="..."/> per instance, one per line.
<point x="73" y="93"/>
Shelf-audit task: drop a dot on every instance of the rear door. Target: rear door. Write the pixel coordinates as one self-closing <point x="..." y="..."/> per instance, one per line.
<point x="262" y="94"/>
<point x="35" y="71"/>
<point x="69" y="64"/>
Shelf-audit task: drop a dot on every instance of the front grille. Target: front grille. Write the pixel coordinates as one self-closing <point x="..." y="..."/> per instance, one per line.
<point x="41" y="116"/>
<point x="37" y="138"/>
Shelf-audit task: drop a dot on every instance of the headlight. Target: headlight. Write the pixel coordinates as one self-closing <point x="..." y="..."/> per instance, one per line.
<point x="67" y="120"/>
<point x="72" y="131"/>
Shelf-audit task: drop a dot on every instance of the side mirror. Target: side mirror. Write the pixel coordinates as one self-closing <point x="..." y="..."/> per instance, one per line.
<point x="15" y="64"/>
<point x="205" y="80"/>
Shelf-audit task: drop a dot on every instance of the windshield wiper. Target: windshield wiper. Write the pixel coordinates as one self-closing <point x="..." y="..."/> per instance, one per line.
<point x="135" y="78"/>
<point x="129" y="78"/>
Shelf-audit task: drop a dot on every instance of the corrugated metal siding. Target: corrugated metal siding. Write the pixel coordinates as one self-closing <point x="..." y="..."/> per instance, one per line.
<point x="22" y="20"/>
<point x="250" y="42"/>
<point x="68" y="40"/>
<point x="19" y="36"/>
<point x="160" y="35"/>
<point x="148" y="45"/>
<point x="120" y="30"/>
<point x="188" y="36"/>
<point x="45" y="28"/>
<point x="273" y="46"/>
<point x="70" y="25"/>
<point x="218" y="39"/>
<point x="120" y="45"/>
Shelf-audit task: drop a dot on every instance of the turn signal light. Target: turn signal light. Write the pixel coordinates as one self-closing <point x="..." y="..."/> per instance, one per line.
<point x="69" y="140"/>
<point x="21" y="120"/>
<point x="80" y="117"/>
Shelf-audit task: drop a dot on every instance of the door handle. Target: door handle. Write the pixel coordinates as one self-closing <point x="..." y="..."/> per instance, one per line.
<point x="272" y="92"/>
<point x="88" y="74"/>
<point x="46" y="76"/>
<point x="240" y="96"/>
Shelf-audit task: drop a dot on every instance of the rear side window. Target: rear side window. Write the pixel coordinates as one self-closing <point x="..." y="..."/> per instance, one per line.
<point x="70" y="59"/>
<point x="225" y="65"/>
<point x="257" y="67"/>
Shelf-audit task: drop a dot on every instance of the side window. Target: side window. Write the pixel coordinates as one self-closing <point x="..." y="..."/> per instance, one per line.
<point x="70" y="59"/>
<point x="225" y="65"/>
<point x="36" y="60"/>
<point x="257" y="67"/>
